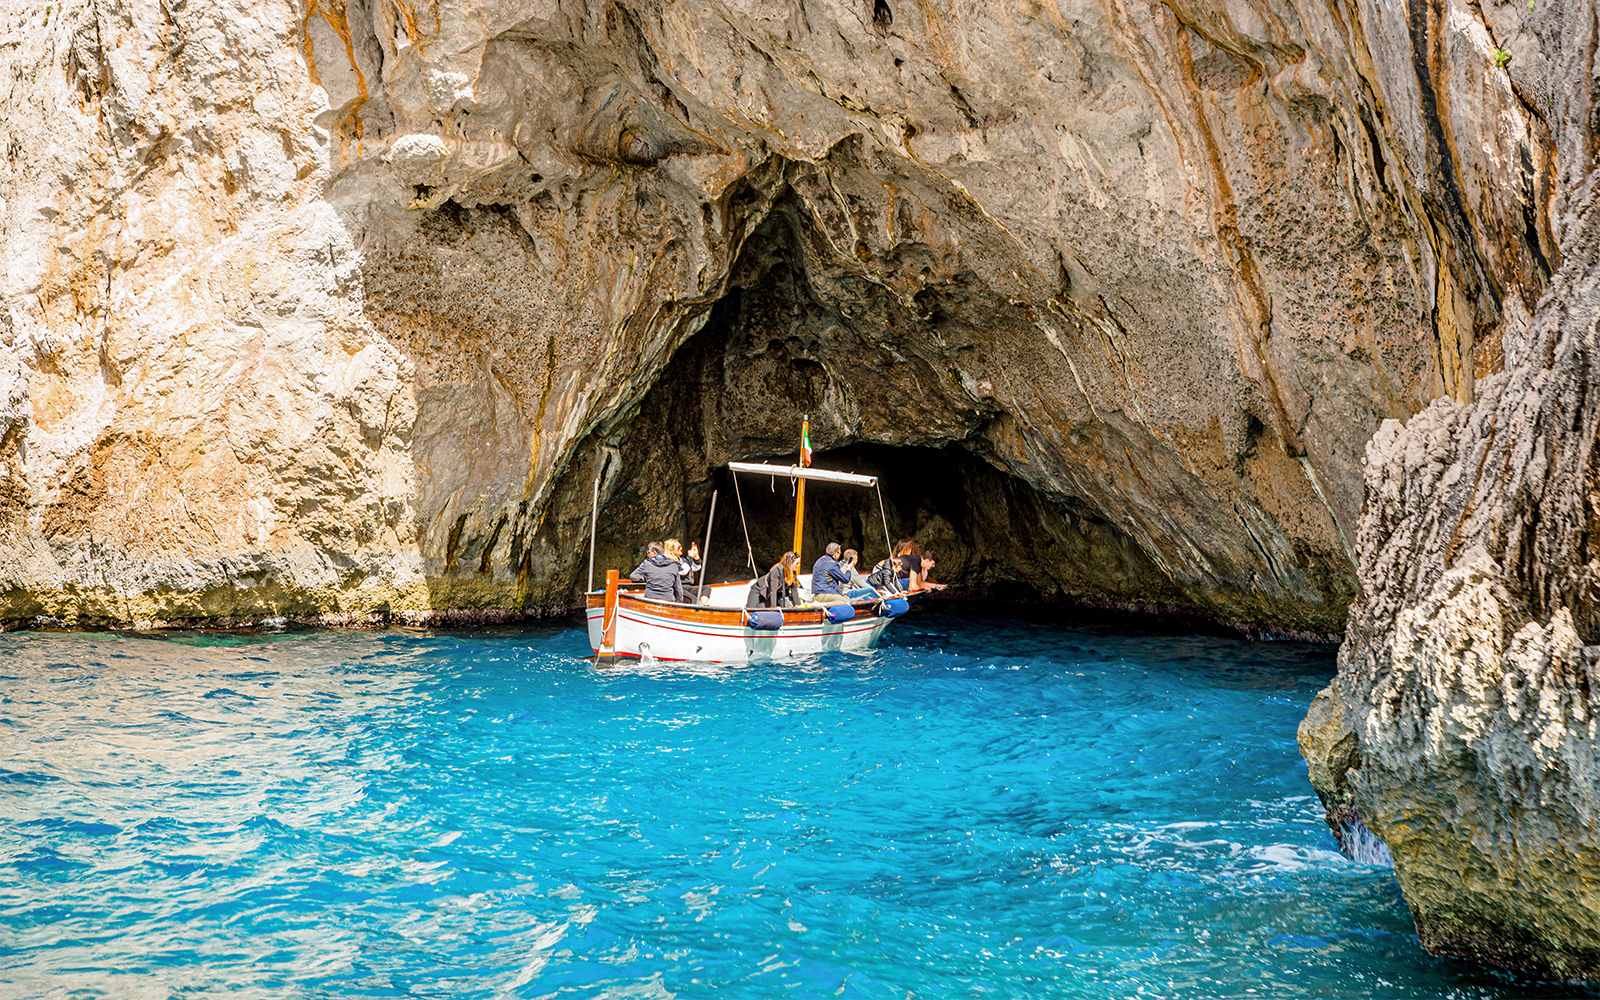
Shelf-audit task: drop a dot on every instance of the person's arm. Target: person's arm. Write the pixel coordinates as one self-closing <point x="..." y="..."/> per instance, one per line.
<point x="839" y="574"/>
<point x="637" y="576"/>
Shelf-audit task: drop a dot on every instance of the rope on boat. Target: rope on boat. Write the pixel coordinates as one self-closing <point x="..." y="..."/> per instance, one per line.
<point x="747" y="549"/>
<point x="888" y="545"/>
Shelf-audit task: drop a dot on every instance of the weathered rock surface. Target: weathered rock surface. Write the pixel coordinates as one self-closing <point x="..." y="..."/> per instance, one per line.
<point x="1461" y="727"/>
<point x="336" y="310"/>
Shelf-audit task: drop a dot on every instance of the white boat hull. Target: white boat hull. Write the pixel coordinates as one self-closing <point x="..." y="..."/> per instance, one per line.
<point x="651" y="629"/>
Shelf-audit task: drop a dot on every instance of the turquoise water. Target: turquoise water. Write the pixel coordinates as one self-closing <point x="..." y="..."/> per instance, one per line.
<point x="981" y="808"/>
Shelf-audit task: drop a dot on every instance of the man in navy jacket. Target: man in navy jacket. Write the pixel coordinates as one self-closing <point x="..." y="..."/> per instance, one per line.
<point x="827" y="574"/>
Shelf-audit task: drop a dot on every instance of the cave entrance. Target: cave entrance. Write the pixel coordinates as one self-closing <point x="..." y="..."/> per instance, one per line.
<point x="927" y="494"/>
<point x="994" y="535"/>
<point x="799" y="332"/>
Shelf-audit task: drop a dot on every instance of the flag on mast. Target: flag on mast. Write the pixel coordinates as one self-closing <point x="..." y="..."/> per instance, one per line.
<point x="805" y="442"/>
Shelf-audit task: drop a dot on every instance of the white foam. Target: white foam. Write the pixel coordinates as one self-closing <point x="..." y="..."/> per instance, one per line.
<point x="1364" y="847"/>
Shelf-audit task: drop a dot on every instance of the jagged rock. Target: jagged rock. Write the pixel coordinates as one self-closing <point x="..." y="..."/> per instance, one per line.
<point x="336" y="311"/>
<point x="1461" y="727"/>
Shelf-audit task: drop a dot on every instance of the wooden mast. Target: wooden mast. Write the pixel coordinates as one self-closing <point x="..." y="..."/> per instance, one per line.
<point x="800" y="491"/>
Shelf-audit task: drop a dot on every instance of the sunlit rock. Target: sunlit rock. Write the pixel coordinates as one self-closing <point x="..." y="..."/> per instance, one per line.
<point x="336" y="311"/>
<point x="1461" y="728"/>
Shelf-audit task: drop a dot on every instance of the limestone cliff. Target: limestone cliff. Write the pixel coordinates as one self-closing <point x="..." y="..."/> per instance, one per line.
<point x="1461" y="727"/>
<point x="336" y="310"/>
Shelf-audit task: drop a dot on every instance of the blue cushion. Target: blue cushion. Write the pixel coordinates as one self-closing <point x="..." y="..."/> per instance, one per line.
<point x="839" y="613"/>
<point x="765" y="621"/>
<point x="894" y="607"/>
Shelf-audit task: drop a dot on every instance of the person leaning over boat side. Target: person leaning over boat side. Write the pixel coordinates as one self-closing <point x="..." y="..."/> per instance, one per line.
<point x="688" y="565"/>
<point x="919" y="580"/>
<point x="914" y="567"/>
<point x="779" y="587"/>
<point x="826" y="575"/>
<point x="659" y="575"/>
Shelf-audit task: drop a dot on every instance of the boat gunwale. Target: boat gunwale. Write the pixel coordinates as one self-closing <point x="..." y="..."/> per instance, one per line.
<point x="725" y="615"/>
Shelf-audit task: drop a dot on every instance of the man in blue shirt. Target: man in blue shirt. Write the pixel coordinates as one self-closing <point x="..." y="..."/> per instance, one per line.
<point x="827" y="575"/>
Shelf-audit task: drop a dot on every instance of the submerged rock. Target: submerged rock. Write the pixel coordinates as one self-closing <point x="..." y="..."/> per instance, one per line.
<point x="336" y="311"/>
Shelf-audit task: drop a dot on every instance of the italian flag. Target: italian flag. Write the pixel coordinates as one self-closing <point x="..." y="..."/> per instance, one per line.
<point x="805" y="442"/>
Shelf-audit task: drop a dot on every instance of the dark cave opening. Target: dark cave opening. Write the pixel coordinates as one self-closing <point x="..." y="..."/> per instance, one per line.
<point x="927" y="493"/>
<point x="868" y="370"/>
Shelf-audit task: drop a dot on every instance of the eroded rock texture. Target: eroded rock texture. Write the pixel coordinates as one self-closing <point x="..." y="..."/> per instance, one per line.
<point x="336" y="310"/>
<point x="1461" y="727"/>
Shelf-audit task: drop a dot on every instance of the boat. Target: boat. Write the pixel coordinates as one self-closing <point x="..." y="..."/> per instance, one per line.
<point x="717" y="627"/>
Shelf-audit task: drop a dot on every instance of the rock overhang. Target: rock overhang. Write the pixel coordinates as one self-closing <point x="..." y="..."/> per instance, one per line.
<point x="1074" y="243"/>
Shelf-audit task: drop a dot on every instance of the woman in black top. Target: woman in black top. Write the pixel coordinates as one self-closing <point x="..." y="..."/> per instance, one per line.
<point x="915" y="563"/>
<point x="780" y="587"/>
<point x="908" y="553"/>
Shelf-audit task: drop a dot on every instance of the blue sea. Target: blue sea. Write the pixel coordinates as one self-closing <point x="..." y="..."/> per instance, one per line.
<point x="979" y="808"/>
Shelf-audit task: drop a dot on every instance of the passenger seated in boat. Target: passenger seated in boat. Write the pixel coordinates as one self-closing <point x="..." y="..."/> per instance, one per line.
<point x="659" y="575"/>
<point x="779" y="587"/>
<point x="848" y="561"/>
<point x="860" y="588"/>
<point x="688" y="565"/>
<point x="826" y="575"/>
<point x="883" y="579"/>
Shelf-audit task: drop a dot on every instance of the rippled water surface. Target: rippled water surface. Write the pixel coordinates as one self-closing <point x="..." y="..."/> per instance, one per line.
<point x="978" y="809"/>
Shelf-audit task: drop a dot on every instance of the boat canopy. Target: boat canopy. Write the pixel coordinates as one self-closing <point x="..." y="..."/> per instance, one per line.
<point x="798" y="472"/>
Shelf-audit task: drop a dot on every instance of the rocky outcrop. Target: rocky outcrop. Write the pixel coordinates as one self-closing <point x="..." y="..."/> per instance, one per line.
<point x="1461" y="727"/>
<point x="337" y="310"/>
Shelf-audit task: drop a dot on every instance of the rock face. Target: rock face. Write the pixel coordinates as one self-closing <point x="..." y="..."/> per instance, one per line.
<point x="1462" y="725"/>
<point x="337" y="310"/>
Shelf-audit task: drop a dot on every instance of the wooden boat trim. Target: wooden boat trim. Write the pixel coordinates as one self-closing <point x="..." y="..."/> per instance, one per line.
<point x="701" y="615"/>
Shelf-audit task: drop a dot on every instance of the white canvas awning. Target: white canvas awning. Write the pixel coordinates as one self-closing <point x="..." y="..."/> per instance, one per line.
<point x="796" y="472"/>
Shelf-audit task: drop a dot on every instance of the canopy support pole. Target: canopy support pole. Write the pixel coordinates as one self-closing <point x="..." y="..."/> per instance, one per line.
<point x="799" y="514"/>
<point x="705" y="550"/>
<point x="800" y="493"/>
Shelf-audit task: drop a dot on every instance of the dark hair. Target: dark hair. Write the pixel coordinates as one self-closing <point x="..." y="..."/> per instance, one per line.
<point x="653" y="549"/>
<point x="928" y="555"/>
<point x="902" y="547"/>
